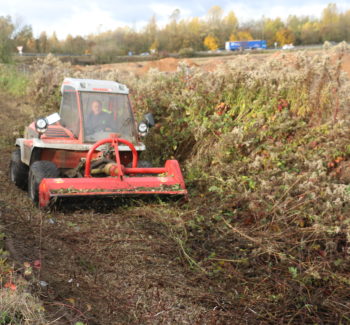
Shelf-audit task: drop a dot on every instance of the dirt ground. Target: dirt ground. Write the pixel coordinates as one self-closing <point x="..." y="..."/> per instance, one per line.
<point x="103" y="263"/>
<point x="207" y="63"/>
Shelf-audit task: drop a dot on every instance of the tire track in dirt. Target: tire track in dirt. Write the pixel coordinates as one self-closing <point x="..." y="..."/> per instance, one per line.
<point x="102" y="264"/>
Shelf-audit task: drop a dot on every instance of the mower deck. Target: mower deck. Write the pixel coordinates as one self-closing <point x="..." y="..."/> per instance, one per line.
<point x="170" y="184"/>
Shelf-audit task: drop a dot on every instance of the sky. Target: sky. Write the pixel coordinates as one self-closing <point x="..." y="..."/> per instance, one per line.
<point x="91" y="16"/>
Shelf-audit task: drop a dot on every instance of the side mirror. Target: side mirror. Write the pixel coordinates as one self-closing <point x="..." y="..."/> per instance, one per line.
<point x="149" y="119"/>
<point x="146" y="124"/>
<point x="42" y="123"/>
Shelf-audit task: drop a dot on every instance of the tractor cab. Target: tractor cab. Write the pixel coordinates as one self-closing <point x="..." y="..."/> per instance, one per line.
<point x="92" y="109"/>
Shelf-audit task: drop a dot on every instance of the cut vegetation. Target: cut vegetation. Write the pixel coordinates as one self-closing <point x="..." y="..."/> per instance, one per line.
<point x="265" y="145"/>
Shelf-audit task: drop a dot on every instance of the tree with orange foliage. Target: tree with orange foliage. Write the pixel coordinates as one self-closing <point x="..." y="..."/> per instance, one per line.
<point x="211" y="42"/>
<point x="285" y="36"/>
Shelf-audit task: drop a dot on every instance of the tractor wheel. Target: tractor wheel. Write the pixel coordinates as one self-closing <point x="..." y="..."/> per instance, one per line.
<point x="18" y="170"/>
<point x="37" y="171"/>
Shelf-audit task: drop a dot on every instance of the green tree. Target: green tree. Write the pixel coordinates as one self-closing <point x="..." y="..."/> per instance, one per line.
<point x="230" y="25"/>
<point x="6" y="43"/>
<point x="151" y="31"/>
<point x="344" y="24"/>
<point x="242" y="35"/>
<point x="215" y="24"/>
<point x="31" y="45"/>
<point x="171" y="38"/>
<point x="192" y="33"/>
<point x="67" y="45"/>
<point x="295" y="24"/>
<point x="154" y="47"/>
<point x="215" y="16"/>
<point x="271" y="26"/>
<point x="310" y="33"/>
<point x="43" y="43"/>
<point x="55" y="45"/>
<point x="330" y="23"/>
<point x="23" y="36"/>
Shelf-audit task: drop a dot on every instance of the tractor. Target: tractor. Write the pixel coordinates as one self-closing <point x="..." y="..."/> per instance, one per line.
<point x="90" y="148"/>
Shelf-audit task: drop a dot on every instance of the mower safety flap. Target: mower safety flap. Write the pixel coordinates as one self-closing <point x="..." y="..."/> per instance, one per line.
<point x="170" y="183"/>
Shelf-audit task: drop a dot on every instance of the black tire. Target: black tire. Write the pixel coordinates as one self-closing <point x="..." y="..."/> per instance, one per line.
<point x="37" y="171"/>
<point x="18" y="170"/>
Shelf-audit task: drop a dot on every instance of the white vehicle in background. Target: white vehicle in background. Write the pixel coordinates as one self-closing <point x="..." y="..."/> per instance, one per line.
<point x="288" y="47"/>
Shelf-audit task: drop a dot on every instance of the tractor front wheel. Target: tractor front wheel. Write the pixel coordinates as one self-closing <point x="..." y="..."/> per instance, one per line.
<point x="18" y="170"/>
<point x="37" y="171"/>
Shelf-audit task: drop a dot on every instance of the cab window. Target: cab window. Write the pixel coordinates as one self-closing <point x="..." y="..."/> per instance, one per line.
<point x="106" y="113"/>
<point x="69" y="112"/>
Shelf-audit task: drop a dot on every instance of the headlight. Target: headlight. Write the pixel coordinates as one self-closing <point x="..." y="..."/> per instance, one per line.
<point x="143" y="128"/>
<point x="41" y="125"/>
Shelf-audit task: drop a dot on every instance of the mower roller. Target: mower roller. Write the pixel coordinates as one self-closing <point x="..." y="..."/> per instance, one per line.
<point x="91" y="148"/>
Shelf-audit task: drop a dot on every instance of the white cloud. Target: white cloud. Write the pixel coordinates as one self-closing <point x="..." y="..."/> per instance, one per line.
<point x="81" y="21"/>
<point x="313" y="10"/>
<point x="246" y="11"/>
<point x="90" y="16"/>
<point x="163" y="12"/>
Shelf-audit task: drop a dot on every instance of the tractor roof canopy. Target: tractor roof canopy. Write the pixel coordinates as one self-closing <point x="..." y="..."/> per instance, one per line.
<point x="92" y="85"/>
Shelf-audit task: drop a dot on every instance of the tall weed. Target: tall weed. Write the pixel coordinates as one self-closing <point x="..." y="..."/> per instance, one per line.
<point x="265" y="150"/>
<point x="13" y="81"/>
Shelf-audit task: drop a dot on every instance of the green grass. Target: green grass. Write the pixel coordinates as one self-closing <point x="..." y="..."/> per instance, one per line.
<point x="12" y="80"/>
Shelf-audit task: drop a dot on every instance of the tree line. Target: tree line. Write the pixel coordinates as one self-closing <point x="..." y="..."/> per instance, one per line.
<point x="181" y="35"/>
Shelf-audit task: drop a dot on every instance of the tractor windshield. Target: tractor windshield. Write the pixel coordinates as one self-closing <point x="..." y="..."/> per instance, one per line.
<point x="106" y="113"/>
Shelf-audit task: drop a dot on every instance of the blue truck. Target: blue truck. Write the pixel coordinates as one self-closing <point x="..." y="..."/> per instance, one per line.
<point x="245" y="45"/>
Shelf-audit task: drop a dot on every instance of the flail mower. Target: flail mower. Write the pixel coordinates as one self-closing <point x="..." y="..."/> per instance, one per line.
<point x="90" y="148"/>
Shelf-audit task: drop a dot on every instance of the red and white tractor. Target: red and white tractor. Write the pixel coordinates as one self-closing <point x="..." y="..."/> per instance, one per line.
<point x="90" y="148"/>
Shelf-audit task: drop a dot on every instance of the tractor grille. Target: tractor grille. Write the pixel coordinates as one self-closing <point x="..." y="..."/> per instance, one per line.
<point x="56" y="133"/>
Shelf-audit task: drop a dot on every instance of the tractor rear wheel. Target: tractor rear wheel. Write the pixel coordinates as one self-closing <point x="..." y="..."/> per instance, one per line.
<point x="18" y="170"/>
<point x="37" y="171"/>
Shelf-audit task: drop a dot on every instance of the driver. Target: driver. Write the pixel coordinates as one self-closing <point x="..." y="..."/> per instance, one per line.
<point x="97" y="120"/>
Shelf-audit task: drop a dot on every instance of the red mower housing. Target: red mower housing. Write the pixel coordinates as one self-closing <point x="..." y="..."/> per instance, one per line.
<point x="91" y="148"/>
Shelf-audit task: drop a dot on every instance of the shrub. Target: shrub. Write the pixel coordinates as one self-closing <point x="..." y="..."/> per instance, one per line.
<point x="187" y="52"/>
<point x="265" y="149"/>
<point x="12" y="80"/>
<point x="46" y="80"/>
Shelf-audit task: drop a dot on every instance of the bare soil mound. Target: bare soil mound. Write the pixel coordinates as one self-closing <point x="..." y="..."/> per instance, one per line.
<point x="166" y="65"/>
<point x="207" y="64"/>
<point x="140" y="68"/>
<point x="346" y="63"/>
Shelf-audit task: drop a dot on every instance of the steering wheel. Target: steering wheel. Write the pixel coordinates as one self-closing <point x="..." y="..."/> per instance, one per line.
<point x="114" y="140"/>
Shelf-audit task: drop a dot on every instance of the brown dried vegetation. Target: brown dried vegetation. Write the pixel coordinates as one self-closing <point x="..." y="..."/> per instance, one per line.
<point x="265" y="236"/>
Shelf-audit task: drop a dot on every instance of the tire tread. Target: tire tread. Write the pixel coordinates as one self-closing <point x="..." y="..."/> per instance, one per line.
<point x="19" y="169"/>
<point x="39" y="170"/>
